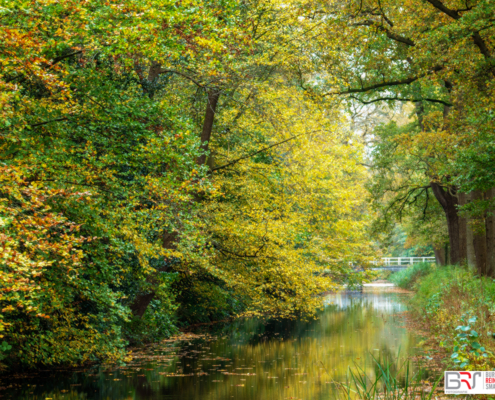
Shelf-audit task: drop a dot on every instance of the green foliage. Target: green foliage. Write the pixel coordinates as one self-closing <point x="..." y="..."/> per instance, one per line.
<point x="104" y="199"/>
<point x="160" y="317"/>
<point x="466" y="344"/>
<point x="400" y="241"/>
<point x="4" y="351"/>
<point x="408" y="277"/>
<point x="93" y="175"/>
<point x="409" y="221"/>
<point x="458" y="306"/>
<point x="384" y="274"/>
<point x="204" y="300"/>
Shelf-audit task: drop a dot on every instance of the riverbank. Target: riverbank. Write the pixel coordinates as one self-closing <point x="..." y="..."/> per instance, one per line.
<point x="455" y="309"/>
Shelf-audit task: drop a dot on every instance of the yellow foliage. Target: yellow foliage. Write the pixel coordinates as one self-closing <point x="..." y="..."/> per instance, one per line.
<point x="290" y="211"/>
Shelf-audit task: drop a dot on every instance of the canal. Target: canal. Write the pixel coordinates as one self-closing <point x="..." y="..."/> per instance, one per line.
<point x="245" y="360"/>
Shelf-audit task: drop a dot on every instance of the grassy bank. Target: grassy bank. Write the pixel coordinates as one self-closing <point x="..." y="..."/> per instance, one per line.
<point x="458" y="308"/>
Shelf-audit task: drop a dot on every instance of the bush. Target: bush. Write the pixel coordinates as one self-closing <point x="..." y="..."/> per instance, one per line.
<point x="408" y="277"/>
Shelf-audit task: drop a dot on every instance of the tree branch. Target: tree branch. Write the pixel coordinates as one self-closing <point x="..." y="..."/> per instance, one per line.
<point x="48" y="122"/>
<point x="478" y="40"/>
<point x="245" y="255"/>
<point x="404" y="200"/>
<point x="407" y="81"/>
<point x="402" y="99"/>
<point x="389" y="34"/>
<point x="439" y="6"/>
<point x="58" y="59"/>
<point x="255" y="153"/>
<point x="41" y="123"/>
<point x="163" y="71"/>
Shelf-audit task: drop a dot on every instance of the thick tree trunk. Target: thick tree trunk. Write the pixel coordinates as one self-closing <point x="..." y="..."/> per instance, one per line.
<point x="471" y="255"/>
<point x="479" y="238"/>
<point x="449" y="203"/>
<point x="462" y="199"/>
<point x="490" y="235"/>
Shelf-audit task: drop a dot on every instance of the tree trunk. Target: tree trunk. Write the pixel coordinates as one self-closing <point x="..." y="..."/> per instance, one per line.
<point x="142" y="301"/>
<point x="447" y="254"/>
<point x="211" y="107"/>
<point x="471" y="255"/>
<point x="479" y="238"/>
<point x="439" y="255"/>
<point x="462" y="198"/>
<point x="490" y="236"/>
<point x="449" y="203"/>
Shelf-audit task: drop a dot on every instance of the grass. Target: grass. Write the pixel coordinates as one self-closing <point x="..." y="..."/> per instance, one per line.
<point x="387" y="383"/>
<point x="408" y="277"/>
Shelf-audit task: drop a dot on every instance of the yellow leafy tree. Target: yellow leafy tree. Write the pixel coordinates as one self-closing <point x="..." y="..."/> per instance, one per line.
<point x="293" y="203"/>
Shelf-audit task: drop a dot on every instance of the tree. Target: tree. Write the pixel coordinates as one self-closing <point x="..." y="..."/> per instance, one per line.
<point x="433" y="54"/>
<point x="166" y="150"/>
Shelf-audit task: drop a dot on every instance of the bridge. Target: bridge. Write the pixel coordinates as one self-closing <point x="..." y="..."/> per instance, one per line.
<point x="399" y="263"/>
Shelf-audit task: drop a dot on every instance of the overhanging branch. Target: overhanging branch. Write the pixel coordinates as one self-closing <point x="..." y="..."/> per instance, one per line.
<point x="164" y="71"/>
<point x="255" y="153"/>
<point x="406" y="81"/>
<point x="388" y="32"/>
<point x="446" y="103"/>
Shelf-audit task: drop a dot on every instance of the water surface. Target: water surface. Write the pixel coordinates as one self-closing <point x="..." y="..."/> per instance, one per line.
<point x="246" y="360"/>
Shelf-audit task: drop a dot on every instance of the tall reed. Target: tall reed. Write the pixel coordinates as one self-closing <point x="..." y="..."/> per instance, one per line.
<point x="388" y="383"/>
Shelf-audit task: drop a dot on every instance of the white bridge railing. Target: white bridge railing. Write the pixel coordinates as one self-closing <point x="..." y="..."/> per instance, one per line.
<point x="395" y="261"/>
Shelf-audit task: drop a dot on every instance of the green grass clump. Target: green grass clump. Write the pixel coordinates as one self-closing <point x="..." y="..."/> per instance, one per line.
<point x="390" y="381"/>
<point x="408" y="277"/>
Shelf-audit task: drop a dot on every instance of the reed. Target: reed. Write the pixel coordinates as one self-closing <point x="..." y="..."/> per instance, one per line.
<point x="387" y="383"/>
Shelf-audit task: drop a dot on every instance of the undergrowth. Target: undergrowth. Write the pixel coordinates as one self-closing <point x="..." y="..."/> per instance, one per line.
<point x="458" y="307"/>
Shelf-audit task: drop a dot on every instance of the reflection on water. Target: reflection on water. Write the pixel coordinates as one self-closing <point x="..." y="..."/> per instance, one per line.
<point x="246" y="360"/>
<point x="378" y="301"/>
